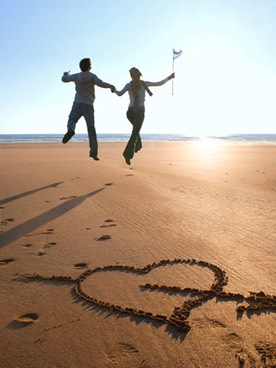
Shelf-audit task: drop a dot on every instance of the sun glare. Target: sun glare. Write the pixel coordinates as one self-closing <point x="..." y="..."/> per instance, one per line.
<point x="207" y="146"/>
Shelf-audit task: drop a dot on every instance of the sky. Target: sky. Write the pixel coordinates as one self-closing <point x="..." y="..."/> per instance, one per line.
<point x="225" y="78"/>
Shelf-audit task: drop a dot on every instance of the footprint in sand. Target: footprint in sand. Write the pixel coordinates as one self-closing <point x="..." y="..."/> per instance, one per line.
<point x="104" y="237"/>
<point x="127" y="349"/>
<point x="108" y="184"/>
<point x="70" y="197"/>
<point x="81" y="265"/>
<point x="46" y="232"/>
<point x="234" y="341"/>
<point x="108" y="223"/>
<point x="27" y="245"/>
<point x="6" y="221"/>
<point x="49" y="245"/>
<point x="27" y="318"/>
<point x="6" y="261"/>
<point x="206" y="322"/>
<point x="23" y="321"/>
<point x="38" y="342"/>
<point x="123" y="352"/>
<point x="129" y="175"/>
<point x="40" y="254"/>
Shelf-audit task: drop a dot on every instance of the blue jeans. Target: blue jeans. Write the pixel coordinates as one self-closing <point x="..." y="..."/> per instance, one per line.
<point x="87" y="111"/>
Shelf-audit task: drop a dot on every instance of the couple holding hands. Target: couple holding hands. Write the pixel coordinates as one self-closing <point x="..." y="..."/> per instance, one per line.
<point x="85" y="82"/>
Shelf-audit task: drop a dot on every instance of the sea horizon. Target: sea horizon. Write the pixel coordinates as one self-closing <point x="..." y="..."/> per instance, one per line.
<point x="123" y="137"/>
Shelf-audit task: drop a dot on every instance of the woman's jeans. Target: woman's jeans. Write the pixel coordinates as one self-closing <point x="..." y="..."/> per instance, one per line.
<point x="136" y="116"/>
<point x="87" y="111"/>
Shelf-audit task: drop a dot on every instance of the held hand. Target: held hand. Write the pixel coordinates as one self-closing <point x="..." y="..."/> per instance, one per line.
<point x="112" y="88"/>
<point x="171" y="76"/>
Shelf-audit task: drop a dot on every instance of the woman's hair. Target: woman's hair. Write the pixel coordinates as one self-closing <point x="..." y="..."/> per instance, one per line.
<point x="135" y="75"/>
<point x="136" y="83"/>
<point x="85" y="64"/>
<point x="135" y="72"/>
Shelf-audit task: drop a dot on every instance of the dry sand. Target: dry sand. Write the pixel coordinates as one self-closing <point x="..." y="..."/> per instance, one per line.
<point x="167" y="263"/>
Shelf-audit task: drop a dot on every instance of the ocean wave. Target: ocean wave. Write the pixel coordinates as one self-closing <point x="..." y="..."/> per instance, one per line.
<point x="52" y="138"/>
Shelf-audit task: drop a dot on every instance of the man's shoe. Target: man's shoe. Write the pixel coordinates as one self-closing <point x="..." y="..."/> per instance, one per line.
<point x="127" y="159"/>
<point x="68" y="136"/>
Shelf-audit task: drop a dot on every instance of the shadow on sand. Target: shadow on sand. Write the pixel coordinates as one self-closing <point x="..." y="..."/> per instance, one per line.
<point x="38" y="221"/>
<point x="29" y="192"/>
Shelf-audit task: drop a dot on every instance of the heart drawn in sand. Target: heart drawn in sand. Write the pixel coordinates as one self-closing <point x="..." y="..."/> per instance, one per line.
<point x="179" y="316"/>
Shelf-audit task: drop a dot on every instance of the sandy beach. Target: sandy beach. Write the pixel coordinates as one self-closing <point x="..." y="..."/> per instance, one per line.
<point x="169" y="262"/>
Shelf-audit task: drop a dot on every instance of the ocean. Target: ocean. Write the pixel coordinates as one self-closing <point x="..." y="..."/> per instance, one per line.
<point x="50" y="138"/>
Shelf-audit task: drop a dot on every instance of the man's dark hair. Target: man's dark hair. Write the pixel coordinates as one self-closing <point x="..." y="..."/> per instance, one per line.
<point x="85" y="64"/>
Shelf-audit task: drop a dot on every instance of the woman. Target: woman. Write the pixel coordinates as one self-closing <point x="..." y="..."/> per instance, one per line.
<point x="136" y="109"/>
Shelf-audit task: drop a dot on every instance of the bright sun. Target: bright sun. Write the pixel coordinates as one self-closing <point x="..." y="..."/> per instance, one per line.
<point x="207" y="146"/>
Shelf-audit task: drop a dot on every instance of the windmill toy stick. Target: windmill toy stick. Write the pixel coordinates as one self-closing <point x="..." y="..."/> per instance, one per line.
<point x="176" y="54"/>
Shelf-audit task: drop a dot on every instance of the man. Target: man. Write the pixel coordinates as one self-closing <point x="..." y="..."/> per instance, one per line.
<point x="85" y="82"/>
